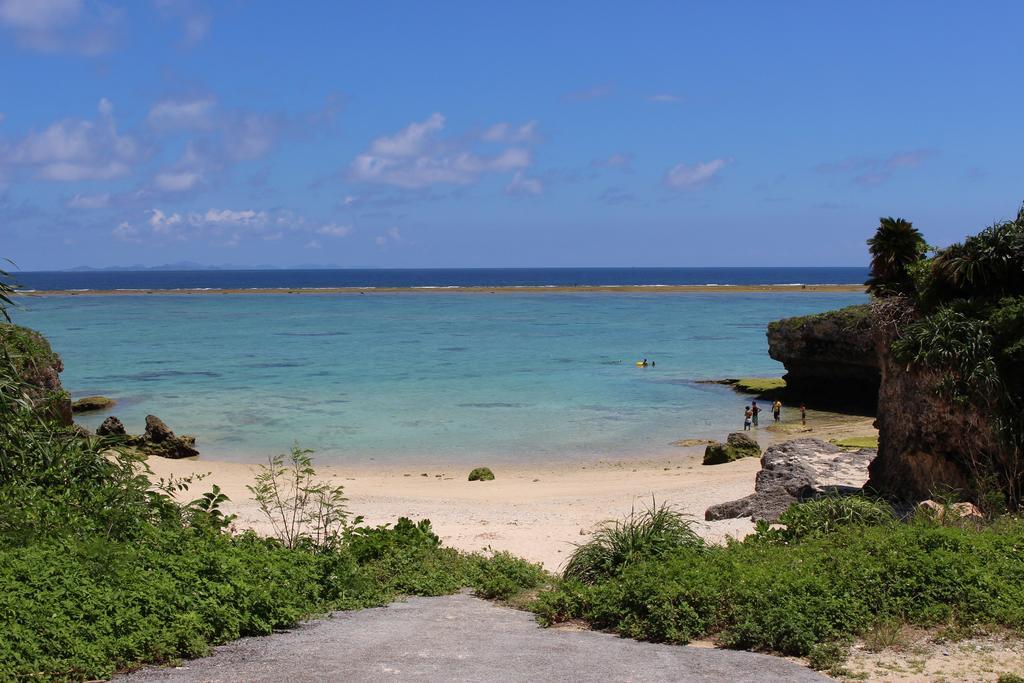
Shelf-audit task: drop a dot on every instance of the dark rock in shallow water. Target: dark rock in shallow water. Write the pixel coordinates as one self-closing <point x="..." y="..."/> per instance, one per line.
<point x="797" y="470"/>
<point x="92" y="403"/>
<point x="744" y="443"/>
<point x="111" y="427"/>
<point x="737" y="445"/>
<point x="156" y="430"/>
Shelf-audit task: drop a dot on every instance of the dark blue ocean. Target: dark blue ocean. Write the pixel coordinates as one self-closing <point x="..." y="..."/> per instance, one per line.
<point x="433" y="277"/>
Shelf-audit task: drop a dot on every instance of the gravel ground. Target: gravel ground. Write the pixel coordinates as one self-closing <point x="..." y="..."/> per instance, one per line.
<point x="462" y="638"/>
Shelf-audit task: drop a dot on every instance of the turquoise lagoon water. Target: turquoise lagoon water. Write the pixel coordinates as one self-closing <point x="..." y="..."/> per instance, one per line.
<point x="431" y="378"/>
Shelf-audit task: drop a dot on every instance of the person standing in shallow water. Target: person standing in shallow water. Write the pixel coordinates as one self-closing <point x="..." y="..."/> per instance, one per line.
<point x="747" y="415"/>
<point x="777" y="410"/>
<point x="754" y="410"/>
<point x="803" y="414"/>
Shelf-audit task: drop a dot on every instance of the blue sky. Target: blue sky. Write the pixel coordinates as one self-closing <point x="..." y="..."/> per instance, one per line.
<point x="516" y="134"/>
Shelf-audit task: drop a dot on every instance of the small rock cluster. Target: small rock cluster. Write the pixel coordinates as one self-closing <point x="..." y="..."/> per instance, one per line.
<point x="157" y="440"/>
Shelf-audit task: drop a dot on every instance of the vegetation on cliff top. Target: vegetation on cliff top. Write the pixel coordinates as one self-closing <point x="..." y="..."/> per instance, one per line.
<point x="967" y="325"/>
<point x="855" y="320"/>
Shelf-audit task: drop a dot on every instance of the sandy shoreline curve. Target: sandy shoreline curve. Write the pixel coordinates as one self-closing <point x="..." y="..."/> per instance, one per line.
<point x="533" y="510"/>
<point x="528" y="289"/>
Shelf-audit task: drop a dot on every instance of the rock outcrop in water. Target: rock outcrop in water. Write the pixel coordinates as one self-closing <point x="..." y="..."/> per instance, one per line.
<point x="39" y="367"/>
<point x="830" y="358"/>
<point x="90" y="404"/>
<point x="794" y="471"/>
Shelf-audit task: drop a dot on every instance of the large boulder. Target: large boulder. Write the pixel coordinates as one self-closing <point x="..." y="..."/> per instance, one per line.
<point x="830" y="358"/>
<point x="737" y="445"/>
<point x="802" y="469"/>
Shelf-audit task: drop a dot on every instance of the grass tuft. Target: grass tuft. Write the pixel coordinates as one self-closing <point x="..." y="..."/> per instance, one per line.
<point x="644" y="535"/>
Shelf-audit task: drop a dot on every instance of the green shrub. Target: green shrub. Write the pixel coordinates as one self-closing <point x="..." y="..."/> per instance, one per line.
<point x="502" y="575"/>
<point x="643" y="535"/>
<point x="826" y="515"/>
<point x="840" y="574"/>
<point x="481" y="474"/>
<point x="828" y="656"/>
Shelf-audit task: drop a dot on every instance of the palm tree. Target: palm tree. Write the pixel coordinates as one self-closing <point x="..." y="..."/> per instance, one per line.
<point x="7" y="288"/>
<point x="897" y="245"/>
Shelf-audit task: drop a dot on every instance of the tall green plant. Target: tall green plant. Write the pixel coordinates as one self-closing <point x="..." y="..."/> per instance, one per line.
<point x="895" y="247"/>
<point x="301" y="509"/>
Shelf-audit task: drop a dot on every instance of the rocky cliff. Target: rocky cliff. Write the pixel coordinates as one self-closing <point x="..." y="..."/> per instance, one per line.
<point x="926" y="442"/>
<point x="39" y="367"/>
<point x="830" y="358"/>
<point x="928" y="445"/>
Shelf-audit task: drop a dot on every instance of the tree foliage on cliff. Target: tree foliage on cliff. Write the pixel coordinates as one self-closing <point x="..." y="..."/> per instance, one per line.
<point x="896" y="246"/>
<point x="969" y="327"/>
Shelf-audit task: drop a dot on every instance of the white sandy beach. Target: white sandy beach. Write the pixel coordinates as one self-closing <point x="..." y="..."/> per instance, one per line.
<point x="534" y="511"/>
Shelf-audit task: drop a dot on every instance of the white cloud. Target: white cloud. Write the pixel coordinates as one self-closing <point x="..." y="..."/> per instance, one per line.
<point x="90" y="201"/>
<point x="313" y="244"/>
<point x="620" y="160"/>
<point x="169" y="181"/>
<point x="506" y="132"/>
<point x="871" y="171"/>
<point x="409" y="141"/>
<point x="250" y="136"/>
<point x="126" y="232"/>
<point x="592" y="93"/>
<point x="229" y="217"/>
<point x="664" y="97"/>
<point x="690" y="176"/>
<point x="60" y="25"/>
<point x="39" y="15"/>
<point x="189" y="114"/>
<point x="162" y="224"/>
<point x="76" y="149"/>
<point x="334" y="230"/>
<point x="416" y="157"/>
<point x="522" y="185"/>
<point x="195" y="21"/>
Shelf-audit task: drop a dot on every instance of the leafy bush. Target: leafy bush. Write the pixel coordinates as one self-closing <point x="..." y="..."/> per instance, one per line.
<point x="502" y="575"/>
<point x="790" y="595"/>
<point x="643" y="535"/>
<point x="481" y="474"/>
<point x="301" y="508"/>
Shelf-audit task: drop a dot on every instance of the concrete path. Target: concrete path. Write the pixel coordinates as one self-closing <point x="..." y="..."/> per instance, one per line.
<point x="462" y="638"/>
